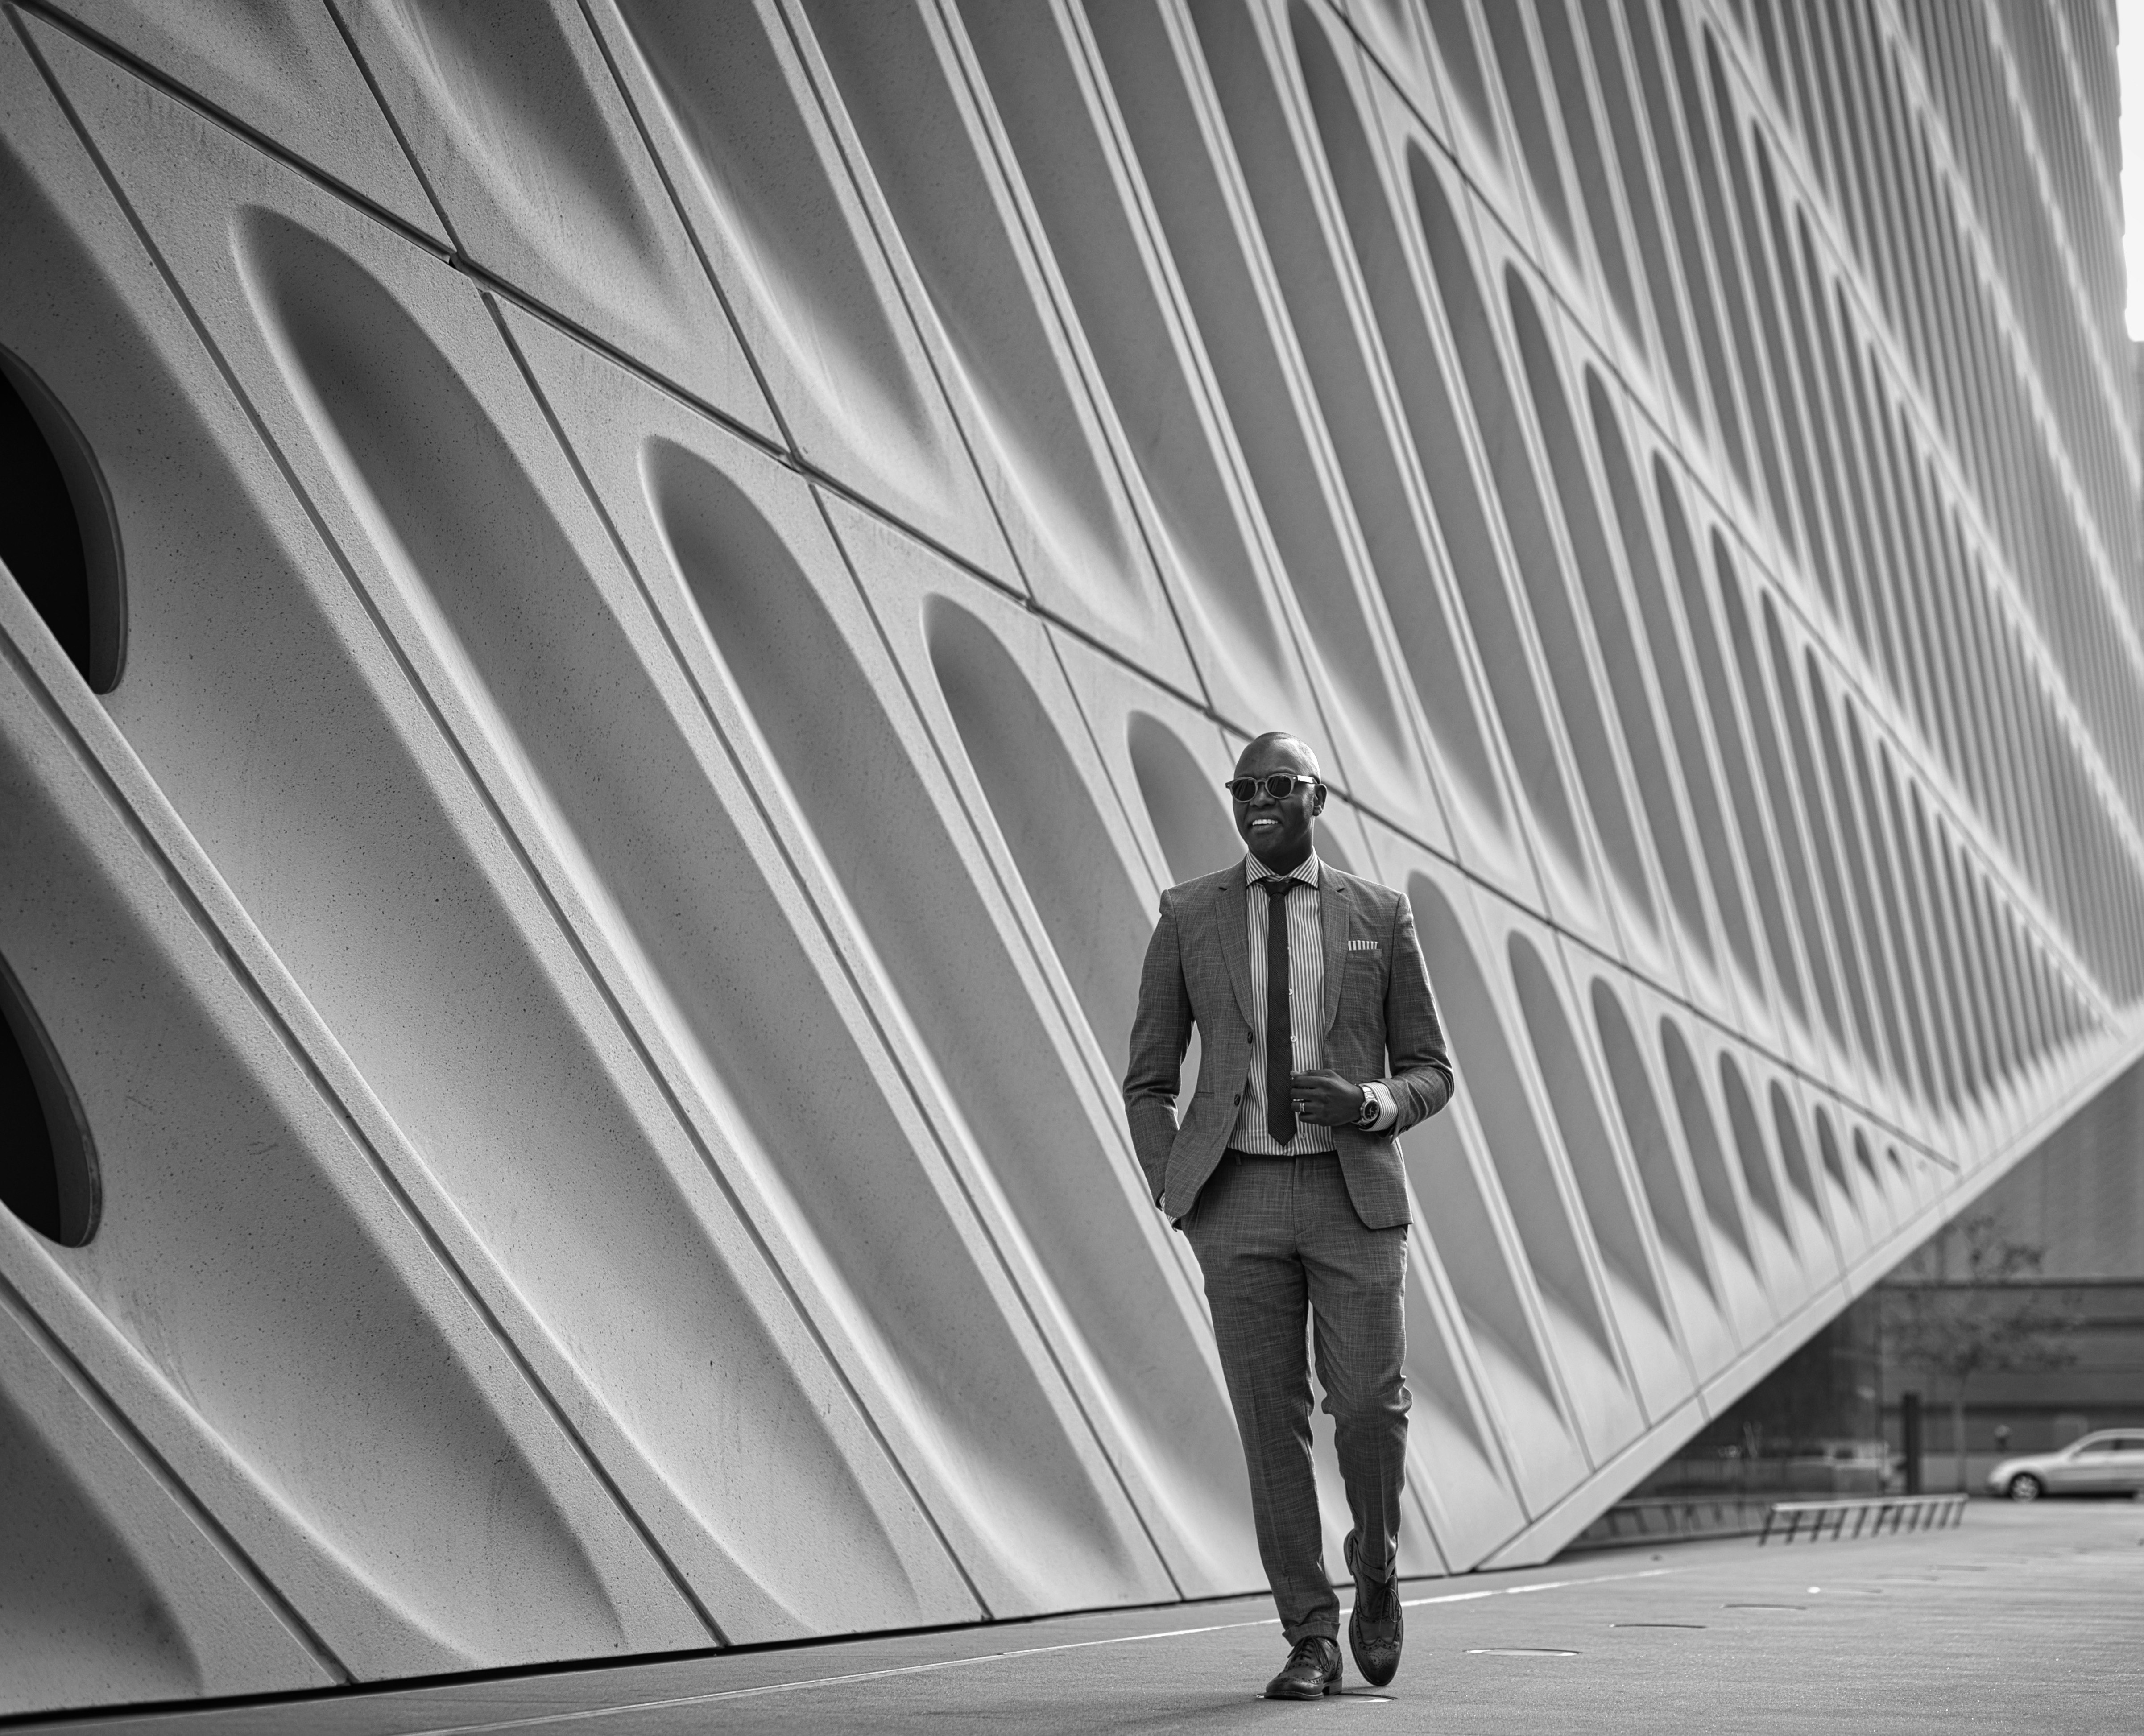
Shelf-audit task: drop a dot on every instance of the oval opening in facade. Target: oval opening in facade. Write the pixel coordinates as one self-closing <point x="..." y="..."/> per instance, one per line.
<point x="1701" y="1133"/>
<point x="1191" y="818"/>
<point x="1518" y="1151"/>
<point x="1463" y="65"/>
<point x="59" y="539"/>
<point x="1834" y="1165"/>
<point x="48" y="1162"/>
<point x="1866" y="1162"/>
<point x="1648" y="1132"/>
<point x="1749" y="1144"/>
<point x="1786" y="1129"/>
<point x="1577" y="1110"/>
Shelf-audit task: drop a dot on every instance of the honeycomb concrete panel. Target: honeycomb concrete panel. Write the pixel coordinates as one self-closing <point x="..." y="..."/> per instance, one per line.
<point x="114" y="1578"/>
<point x="757" y="167"/>
<point x="526" y="144"/>
<point x="287" y="75"/>
<point x="689" y="578"/>
<point x="315" y="1374"/>
<point x="924" y="131"/>
<point x="590" y="1293"/>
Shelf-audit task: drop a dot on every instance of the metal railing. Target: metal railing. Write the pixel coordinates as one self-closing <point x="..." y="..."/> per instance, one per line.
<point x="1869" y="1513"/>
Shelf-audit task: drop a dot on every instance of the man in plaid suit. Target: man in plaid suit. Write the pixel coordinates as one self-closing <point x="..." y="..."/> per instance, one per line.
<point x="1320" y="1043"/>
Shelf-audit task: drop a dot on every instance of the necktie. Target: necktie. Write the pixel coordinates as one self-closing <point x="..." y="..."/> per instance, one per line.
<point x="1280" y="1032"/>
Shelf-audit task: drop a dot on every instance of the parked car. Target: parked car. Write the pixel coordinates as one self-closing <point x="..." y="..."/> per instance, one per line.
<point x="2109" y="1462"/>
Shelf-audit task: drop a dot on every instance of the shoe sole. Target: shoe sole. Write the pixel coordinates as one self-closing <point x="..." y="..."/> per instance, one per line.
<point x="1332" y="1687"/>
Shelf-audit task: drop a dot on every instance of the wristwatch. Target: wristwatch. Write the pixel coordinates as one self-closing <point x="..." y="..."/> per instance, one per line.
<point x="1370" y="1111"/>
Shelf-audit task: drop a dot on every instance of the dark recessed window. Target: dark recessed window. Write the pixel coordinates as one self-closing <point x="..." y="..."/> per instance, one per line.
<point x="58" y="536"/>
<point x="47" y="1164"/>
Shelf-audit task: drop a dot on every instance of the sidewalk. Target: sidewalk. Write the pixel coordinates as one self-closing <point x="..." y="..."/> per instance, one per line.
<point x="2023" y="1619"/>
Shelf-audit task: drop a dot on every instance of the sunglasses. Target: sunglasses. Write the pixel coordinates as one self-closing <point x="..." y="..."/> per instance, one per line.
<point x="1280" y="785"/>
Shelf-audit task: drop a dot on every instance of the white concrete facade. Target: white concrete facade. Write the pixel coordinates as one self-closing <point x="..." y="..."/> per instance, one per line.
<point x="689" y="573"/>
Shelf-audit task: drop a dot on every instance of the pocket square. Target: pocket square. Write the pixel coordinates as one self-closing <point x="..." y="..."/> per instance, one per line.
<point x="1362" y="946"/>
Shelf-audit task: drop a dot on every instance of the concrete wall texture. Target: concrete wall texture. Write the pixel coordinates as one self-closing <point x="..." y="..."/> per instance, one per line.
<point x="689" y="571"/>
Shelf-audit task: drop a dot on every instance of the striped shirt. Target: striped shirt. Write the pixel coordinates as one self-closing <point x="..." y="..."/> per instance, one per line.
<point x="1306" y="1006"/>
<point x="1306" y="1013"/>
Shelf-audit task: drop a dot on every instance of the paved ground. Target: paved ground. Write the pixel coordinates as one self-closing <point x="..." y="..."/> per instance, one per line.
<point x="2022" y="1620"/>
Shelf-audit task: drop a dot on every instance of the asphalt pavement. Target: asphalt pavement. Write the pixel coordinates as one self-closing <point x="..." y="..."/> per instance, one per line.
<point x="2023" y="1619"/>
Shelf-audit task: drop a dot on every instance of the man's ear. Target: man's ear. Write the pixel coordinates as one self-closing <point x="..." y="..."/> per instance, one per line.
<point x="1316" y="799"/>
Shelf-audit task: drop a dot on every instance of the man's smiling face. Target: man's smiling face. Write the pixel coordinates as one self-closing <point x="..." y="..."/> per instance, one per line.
<point x="1278" y="833"/>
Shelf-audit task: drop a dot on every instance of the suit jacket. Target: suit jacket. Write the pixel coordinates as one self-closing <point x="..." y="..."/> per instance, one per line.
<point x="1378" y="1005"/>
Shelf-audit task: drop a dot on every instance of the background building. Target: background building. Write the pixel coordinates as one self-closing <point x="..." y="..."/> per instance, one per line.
<point x="2038" y="1292"/>
<point x="2077" y="1204"/>
<point x="621" y="609"/>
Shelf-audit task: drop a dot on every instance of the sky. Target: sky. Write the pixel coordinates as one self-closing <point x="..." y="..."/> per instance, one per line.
<point x="2130" y="19"/>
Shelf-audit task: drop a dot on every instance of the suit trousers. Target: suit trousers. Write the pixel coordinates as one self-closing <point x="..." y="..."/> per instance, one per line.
<point x="1278" y="1240"/>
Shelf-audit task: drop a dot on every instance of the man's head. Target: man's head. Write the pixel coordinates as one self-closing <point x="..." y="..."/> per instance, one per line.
<point x="1279" y="830"/>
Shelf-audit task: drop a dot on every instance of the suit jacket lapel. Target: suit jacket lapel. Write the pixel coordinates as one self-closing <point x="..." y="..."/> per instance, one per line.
<point x="1333" y="903"/>
<point x="1231" y="911"/>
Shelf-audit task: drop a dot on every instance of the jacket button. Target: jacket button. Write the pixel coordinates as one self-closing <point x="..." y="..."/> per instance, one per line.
<point x="1239" y="1098"/>
<point x="1249" y="1037"/>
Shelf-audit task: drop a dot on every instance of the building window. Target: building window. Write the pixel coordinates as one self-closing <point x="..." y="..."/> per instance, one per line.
<point x="48" y="1162"/>
<point x="60" y="537"/>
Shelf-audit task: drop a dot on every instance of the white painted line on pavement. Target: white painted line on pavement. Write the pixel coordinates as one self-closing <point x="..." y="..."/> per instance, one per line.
<point x="1468" y="1597"/>
<point x="593" y="1713"/>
